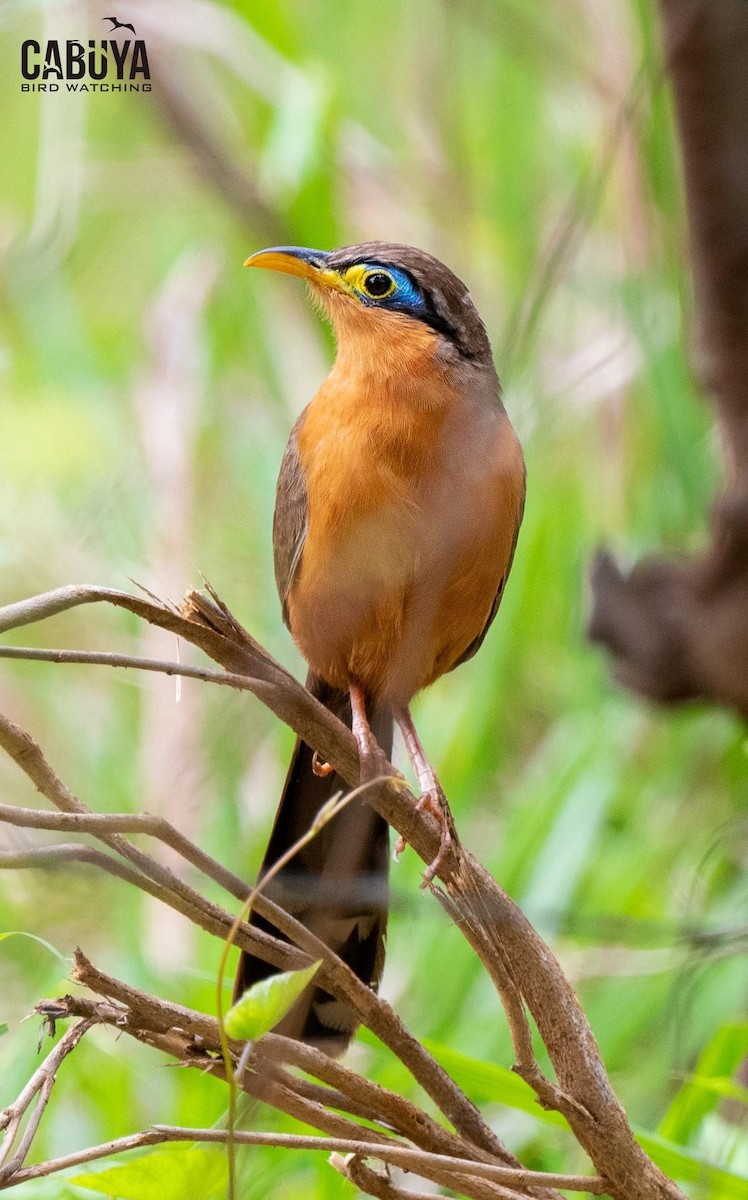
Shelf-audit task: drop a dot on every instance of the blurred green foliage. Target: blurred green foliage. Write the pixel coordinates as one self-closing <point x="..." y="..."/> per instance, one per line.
<point x="148" y="388"/>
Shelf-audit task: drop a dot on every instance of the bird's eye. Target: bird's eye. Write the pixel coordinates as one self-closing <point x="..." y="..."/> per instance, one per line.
<point x="378" y="284"/>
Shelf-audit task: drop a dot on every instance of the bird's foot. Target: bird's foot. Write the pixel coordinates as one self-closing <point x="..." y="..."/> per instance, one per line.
<point x="433" y="801"/>
<point x="375" y="763"/>
<point x="431" y="797"/>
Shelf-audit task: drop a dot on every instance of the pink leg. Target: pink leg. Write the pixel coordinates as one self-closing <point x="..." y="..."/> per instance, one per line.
<point x="368" y="748"/>
<point x="365" y="740"/>
<point x="374" y="762"/>
<point x="431" y="797"/>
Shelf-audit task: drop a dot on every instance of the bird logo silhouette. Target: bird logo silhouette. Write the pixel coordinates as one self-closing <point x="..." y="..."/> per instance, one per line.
<point x="118" y="24"/>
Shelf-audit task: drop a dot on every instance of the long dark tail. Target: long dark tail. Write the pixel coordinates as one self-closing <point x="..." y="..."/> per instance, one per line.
<point x="336" y="885"/>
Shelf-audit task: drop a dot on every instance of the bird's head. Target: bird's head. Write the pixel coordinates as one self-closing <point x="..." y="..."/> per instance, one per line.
<point x="379" y="292"/>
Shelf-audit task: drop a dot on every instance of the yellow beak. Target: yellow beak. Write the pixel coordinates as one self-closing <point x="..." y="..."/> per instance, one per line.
<point x="296" y="260"/>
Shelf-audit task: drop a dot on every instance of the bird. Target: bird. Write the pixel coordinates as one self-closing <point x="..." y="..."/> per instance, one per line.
<point x="119" y="24"/>
<point x="398" y="506"/>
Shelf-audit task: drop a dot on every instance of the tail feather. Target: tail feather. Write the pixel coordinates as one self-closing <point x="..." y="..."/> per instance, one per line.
<point x="336" y="885"/>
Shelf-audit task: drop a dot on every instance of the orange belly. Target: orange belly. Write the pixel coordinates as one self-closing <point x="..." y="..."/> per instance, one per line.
<point x="412" y="517"/>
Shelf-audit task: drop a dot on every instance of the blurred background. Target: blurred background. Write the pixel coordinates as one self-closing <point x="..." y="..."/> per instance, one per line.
<point x="148" y="388"/>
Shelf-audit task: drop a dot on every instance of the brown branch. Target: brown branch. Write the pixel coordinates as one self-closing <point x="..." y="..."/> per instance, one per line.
<point x="380" y="1102"/>
<point x="404" y="1157"/>
<point x="490" y="951"/>
<point x="336" y="976"/>
<point x="39" y="1087"/>
<point x="135" y="1141"/>
<point x="522" y="966"/>
<point x="356" y="1171"/>
<point x="128" y="661"/>
<point x="409" y="1159"/>
<point x="97" y="823"/>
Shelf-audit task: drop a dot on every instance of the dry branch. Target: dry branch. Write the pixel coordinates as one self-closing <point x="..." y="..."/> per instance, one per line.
<point x="527" y="976"/>
<point x="39" y="1088"/>
<point x="193" y="1038"/>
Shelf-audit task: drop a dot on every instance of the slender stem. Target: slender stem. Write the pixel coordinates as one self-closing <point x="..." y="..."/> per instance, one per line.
<point x="98" y="823"/>
<point x="242" y="683"/>
<point x="41" y="1085"/>
<point x="401" y="1156"/>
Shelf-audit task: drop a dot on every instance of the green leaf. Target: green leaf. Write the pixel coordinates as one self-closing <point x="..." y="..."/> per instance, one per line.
<point x="719" y="1059"/>
<point x="487" y="1083"/>
<point x="264" y="1004"/>
<point x="47" y="945"/>
<point x="721" y="1086"/>
<point x="686" y="1167"/>
<point x="169" y="1173"/>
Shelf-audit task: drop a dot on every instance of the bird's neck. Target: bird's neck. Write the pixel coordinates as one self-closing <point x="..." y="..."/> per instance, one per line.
<point x="391" y="363"/>
<point x="388" y="414"/>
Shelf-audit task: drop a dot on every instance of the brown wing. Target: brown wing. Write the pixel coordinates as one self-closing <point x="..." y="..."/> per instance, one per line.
<point x="290" y="519"/>
<point x="477" y="642"/>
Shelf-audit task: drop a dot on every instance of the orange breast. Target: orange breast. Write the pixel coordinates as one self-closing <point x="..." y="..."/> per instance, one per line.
<point x="414" y="497"/>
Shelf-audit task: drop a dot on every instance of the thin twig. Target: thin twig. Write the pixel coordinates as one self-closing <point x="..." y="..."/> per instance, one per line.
<point x="401" y="1156"/>
<point x="162" y="882"/>
<point x="593" y="1111"/>
<point x="338" y="978"/>
<point x="40" y="1085"/>
<point x="98" y="823"/>
<point x="151" y="1019"/>
<point x="135" y="1141"/>
<point x="242" y="683"/>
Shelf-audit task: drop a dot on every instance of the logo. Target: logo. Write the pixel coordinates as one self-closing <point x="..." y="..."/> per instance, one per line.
<point x="104" y="66"/>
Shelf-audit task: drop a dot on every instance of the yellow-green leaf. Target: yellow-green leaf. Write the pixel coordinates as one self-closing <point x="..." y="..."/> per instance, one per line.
<point x="264" y="1004"/>
<point x="169" y="1173"/>
<point x="33" y="937"/>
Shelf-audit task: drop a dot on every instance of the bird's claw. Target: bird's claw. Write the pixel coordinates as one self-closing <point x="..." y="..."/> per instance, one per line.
<point x="435" y="802"/>
<point x="432" y="801"/>
<point x="321" y="768"/>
